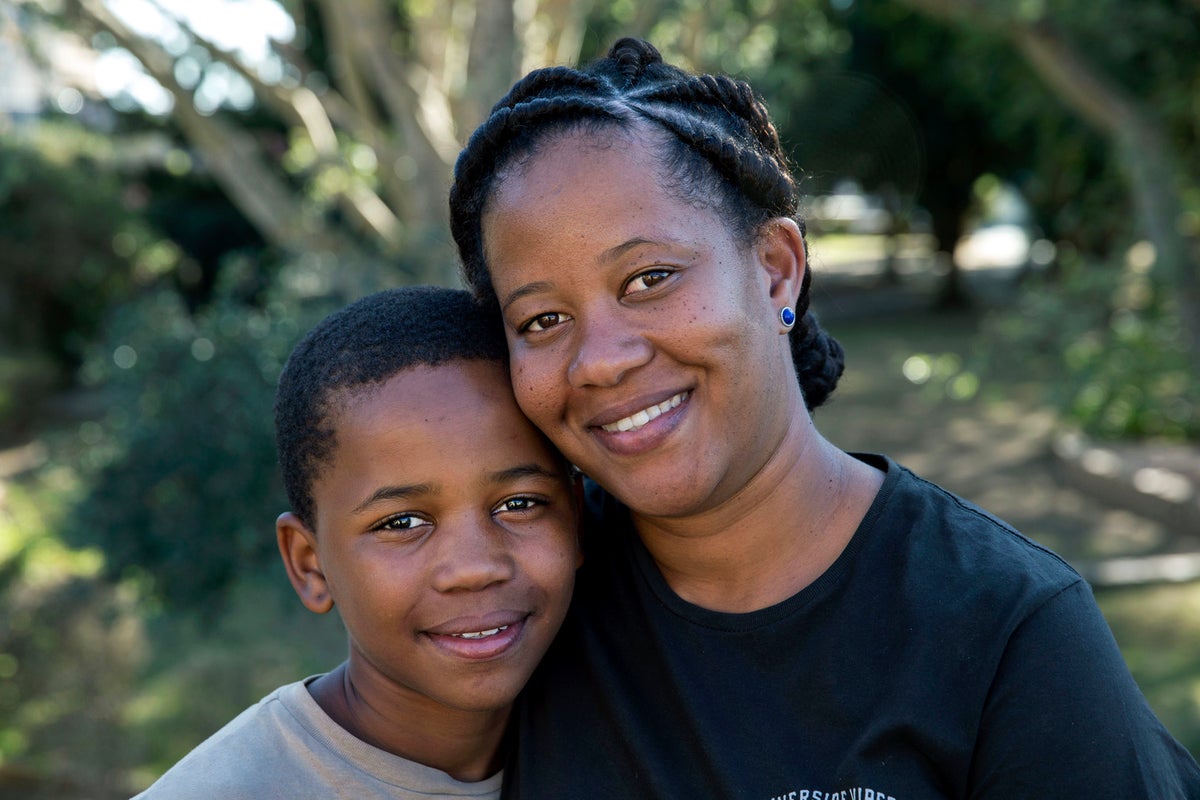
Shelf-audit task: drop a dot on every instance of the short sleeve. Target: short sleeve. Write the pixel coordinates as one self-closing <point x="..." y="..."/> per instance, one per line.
<point x="1064" y="717"/>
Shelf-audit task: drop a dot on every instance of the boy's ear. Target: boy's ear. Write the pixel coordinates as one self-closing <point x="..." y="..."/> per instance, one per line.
<point x="782" y="255"/>
<point x="298" y="548"/>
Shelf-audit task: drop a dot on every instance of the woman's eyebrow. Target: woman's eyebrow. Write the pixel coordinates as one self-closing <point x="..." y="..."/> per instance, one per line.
<point x="616" y="251"/>
<point x="611" y="254"/>
<point x="524" y="291"/>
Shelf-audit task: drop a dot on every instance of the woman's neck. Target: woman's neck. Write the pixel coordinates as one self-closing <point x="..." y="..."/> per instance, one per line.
<point x="772" y="538"/>
<point x="463" y="744"/>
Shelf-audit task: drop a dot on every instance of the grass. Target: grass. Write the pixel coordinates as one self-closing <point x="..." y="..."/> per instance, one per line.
<point x="1158" y="629"/>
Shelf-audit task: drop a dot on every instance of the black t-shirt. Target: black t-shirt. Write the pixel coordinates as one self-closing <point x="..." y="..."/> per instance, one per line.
<point x="943" y="655"/>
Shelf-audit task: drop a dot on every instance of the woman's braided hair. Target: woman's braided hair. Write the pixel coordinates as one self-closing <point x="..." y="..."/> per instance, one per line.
<point x="720" y="150"/>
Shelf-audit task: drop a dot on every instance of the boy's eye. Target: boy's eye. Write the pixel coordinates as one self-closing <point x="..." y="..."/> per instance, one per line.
<point x="543" y="322"/>
<point x="402" y="522"/>
<point x="519" y="504"/>
<point x="646" y="280"/>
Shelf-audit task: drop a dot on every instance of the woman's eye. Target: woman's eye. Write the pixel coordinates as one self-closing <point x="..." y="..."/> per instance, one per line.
<point x="543" y="322"/>
<point x="646" y="280"/>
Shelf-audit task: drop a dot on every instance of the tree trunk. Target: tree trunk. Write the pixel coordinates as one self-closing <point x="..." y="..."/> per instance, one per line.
<point x="1143" y="149"/>
<point x="1135" y="134"/>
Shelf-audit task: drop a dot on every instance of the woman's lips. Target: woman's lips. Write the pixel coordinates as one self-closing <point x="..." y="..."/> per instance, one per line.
<point x="645" y="429"/>
<point x="641" y="418"/>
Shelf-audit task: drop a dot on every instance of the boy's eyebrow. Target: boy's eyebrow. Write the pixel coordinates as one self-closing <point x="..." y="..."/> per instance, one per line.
<point x="407" y="491"/>
<point x="530" y="470"/>
<point x="393" y="493"/>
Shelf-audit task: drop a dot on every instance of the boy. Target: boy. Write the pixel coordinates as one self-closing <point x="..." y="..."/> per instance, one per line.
<point x="441" y="524"/>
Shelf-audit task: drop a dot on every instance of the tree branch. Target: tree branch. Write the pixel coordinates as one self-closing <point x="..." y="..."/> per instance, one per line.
<point x="232" y="155"/>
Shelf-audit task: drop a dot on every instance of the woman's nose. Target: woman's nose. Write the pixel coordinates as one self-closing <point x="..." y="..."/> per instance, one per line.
<point x="472" y="556"/>
<point x="606" y="350"/>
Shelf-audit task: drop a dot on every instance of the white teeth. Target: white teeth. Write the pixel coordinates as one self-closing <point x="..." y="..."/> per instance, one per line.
<point x="640" y="418"/>
<point x="481" y="634"/>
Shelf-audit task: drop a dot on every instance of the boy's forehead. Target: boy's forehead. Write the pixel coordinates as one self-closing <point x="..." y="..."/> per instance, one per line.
<point x="463" y="400"/>
<point x="418" y="384"/>
<point x="420" y="379"/>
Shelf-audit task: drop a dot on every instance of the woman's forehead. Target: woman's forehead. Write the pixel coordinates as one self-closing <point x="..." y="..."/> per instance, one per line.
<point x="565" y="141"/>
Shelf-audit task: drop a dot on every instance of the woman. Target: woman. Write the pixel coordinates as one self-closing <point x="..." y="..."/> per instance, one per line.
<point x="760" y="615"/>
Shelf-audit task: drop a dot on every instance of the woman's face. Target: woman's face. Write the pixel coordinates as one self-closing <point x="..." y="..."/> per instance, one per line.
<point x="645" y="340"/>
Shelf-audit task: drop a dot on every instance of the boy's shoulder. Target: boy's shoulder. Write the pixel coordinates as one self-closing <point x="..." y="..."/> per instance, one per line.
<point x="256" y="754"/>
<point x="286" y="746"/>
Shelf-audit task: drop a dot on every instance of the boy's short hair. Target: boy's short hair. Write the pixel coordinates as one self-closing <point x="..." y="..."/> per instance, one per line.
<point x="362" y="346"/>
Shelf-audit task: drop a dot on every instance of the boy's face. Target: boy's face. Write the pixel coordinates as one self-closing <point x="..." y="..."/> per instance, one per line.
<point x="446" y="533"/>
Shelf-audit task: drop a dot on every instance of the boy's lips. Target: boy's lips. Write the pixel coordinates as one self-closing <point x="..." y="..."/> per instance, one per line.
<point x="479" y="638"/>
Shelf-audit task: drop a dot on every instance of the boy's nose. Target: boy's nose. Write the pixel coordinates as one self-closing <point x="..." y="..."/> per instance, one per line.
<point x="473" y="557"/>
<point x="607" y="348"/>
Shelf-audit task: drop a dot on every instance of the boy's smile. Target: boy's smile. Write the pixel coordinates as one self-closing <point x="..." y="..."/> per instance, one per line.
<point x="445" y="535"/>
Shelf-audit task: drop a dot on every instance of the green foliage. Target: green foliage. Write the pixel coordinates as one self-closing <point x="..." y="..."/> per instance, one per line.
<point x="1113" y="347"/>
<point x="67" y="642"/>
<point x="62" y="222"/>
<point x="101" y="689"/>
<point x="24" y="380"/>
<point x="183" y="485"/>
<point x="203" y="672"/>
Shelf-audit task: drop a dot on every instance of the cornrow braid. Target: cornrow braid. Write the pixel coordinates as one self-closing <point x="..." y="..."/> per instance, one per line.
<point x="506" y="134"/>
<point x="735" y="96"/>
<point x="751" y="171"/>
<point x="719" y="148"/>
<point x="550" y="79"/>
<point x="818" y="357"/>
<point x="631" y="58"/>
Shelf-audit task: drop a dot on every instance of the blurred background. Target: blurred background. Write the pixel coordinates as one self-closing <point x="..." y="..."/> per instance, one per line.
<point x="1004" y="216"/>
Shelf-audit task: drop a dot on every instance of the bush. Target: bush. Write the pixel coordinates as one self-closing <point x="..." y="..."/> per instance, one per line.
<point x="183" y="485"/>
<point x="1113" y="339"/>
<point x="62" y="221"/>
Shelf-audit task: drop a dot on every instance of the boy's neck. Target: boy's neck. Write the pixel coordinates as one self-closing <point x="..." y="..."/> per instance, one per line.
<point x="464" y="744"/>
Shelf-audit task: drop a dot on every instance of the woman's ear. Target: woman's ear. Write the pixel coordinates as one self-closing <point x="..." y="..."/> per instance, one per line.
<point x="298" y="548"/>
<point x="783" y="256"/>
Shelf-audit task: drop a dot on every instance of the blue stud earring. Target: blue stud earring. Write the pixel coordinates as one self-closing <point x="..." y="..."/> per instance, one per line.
<point x="787" y="316"/>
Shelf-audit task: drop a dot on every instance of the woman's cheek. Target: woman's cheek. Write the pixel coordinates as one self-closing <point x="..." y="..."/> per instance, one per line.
<point x="533" y="389"/>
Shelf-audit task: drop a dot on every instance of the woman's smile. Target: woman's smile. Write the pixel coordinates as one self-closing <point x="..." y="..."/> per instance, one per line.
<point x="639" y="419"/>
<point x="645" y="431"/>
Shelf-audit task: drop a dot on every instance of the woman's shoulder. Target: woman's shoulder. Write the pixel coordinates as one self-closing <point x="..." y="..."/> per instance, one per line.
<point x="946" y="540"/>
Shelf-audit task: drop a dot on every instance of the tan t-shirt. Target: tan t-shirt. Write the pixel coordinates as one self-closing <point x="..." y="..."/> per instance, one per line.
<point x="285" y="746"/>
